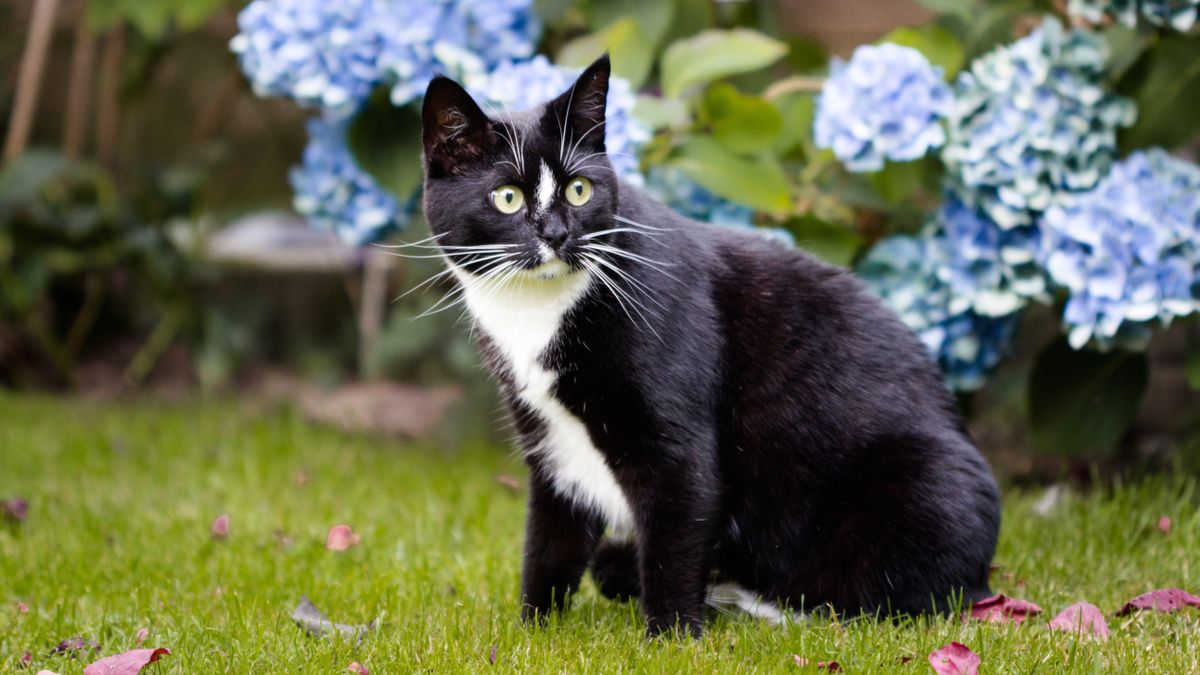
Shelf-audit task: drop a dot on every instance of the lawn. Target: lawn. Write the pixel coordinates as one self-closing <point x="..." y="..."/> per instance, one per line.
<point x="122" y="497"/>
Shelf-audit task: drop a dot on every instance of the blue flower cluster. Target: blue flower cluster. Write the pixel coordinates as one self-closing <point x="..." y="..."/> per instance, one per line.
<point x="1178" y="14"/>
<point x="334" y="194"/>
<point x="520" y="86"/>
<point x="995" y="271"/>
<point x="322" y="54"/>
<point x="329" y="55"/>
<point x="907" y="274"/>
<point x="1128" y="252"/>
<point x="1031" y="122"/>
<point x="460" y="38"/>
<point x="886" y="103"/>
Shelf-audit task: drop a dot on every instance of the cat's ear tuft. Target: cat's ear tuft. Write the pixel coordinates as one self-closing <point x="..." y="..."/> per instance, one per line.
<point x="584" y="104"/>
<point x="456" y="133"/>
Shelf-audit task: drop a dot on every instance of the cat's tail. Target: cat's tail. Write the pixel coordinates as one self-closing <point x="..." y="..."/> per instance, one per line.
<point x="615" y="570"/>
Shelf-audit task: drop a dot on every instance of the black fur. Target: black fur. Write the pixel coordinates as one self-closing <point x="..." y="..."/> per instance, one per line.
<point x="769" y="422"/>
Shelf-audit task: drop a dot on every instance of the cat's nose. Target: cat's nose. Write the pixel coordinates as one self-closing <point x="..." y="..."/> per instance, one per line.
<point x="554" y="236"/>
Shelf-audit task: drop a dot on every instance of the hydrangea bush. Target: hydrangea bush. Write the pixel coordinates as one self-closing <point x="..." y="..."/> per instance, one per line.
<point x="1180" y="15"/>
<point x="907" y="273"/>
<point x="1031" y="122"/>
<point x="323" y="55"/>
<point x="461" y="38"/>
<point x="1128" y="252"/>
<point x="886" y="103"/>
<point x="334" y="194"/>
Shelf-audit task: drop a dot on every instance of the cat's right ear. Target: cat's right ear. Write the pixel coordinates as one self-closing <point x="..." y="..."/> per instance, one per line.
<point x="457" y="135"/>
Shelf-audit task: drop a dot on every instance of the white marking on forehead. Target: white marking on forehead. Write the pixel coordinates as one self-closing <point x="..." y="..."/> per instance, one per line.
<point x="546" y="188"/>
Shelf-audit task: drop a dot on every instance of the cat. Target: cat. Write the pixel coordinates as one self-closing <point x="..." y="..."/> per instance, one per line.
<point x="729" y="410"/>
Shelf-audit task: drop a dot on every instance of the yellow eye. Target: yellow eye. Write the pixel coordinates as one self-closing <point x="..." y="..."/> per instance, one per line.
<point x="508" y="199"/>
<point x="578" y="191"/>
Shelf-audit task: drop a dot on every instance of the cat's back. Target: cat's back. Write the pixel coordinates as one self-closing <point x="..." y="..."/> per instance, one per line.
<point x="800" y="329"/>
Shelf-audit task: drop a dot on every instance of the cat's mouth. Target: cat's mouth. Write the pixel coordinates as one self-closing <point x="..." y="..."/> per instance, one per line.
<point x="549" y="265"/>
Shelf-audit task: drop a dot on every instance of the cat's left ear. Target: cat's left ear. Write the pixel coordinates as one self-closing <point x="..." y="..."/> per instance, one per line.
<point x="457" y="135"/>
<point x="583" y="105"/>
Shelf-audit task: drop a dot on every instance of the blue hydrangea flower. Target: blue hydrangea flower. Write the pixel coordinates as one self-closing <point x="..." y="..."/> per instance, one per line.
<point x="1031" y="122"/>
<point x="334" y="194"/>
<point x="905" y="272"/>
<point x="520" y="86"/>
<point x="993" y="269"/>
<point x="1128" y="252"/>
<point x="322" y="54"/>
<point x="1178" y="14"/>
<point x="886" y="103"/>
<point x="673" y="188"/>
<point x="459" y="38"/>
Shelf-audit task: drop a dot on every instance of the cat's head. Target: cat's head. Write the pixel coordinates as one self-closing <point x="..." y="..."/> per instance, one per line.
<point x="526" y="188"/>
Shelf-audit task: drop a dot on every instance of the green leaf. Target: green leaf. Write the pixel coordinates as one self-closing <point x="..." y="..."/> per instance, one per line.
<point x="631" y="51"/>
<point x="798" y="110"/>
<point x="898" y="181"/>
<point x="758" y="183"/>
<point x="832" y="242"/>
<point x="652" y="18"/>
<point x="1082" y="402"/>
<point x="386" y="143"/>
<point x="661" y="113"/>
<point x="192" y="14"/>
<point x="934" y="42"/>
<point x="1192" y="367"/>
<point x="744" y="124"/>
<point x="805" y="54"/>
<point x="713" y="54"/>
<point x="1168" y="94"/>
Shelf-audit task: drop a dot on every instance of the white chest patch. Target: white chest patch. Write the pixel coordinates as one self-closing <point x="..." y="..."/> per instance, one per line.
<point x="522" y="319"/>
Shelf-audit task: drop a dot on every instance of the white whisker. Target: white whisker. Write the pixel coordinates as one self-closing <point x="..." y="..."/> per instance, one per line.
<point x="627" y="221"/>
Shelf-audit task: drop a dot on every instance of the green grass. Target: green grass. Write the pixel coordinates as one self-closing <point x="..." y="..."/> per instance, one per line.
<point x="122" y="497"/>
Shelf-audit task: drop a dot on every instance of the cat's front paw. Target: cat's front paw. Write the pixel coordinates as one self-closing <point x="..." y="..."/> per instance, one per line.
<point x="534" y="616"/>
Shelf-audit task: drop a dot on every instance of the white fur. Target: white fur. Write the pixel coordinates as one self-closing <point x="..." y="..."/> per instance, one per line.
<point x="730" y="596"/>
<point x="522" y="318"/>
<point x="546" y="188"/>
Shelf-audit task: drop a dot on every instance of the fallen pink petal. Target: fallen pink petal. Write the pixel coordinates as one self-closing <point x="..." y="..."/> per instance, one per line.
<point x="142" y="634"/>
<point x="46" y="672"/>
<point x="22" y="608"/>
<point x="1000" y="608"/>
<point x="74" y="646"/>
<point x="1162" y="600"/>
<point x="341" y="537"/>
<point x="830" y="666"/>
<point x="492" y="656"/>
<point x="1164" y="524"/>
<point x="26" y="659"/>
<point x="357" y="668"/>
<point x="220" y="526"/>
<point x="129" y="663"/>
<point x="14" y="510"/>
<point x="1082" y="617"/>
<point x="954" y="659"/>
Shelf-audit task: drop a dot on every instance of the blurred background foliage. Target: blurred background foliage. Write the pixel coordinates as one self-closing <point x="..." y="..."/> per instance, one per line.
<point x="1015" y="177"/>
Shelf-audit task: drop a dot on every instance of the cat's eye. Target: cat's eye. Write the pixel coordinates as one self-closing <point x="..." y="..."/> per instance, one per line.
<point x="579" y="191"/>
<point x="508" y="199"/>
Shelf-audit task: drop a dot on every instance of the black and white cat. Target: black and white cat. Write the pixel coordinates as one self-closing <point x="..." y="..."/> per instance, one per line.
<point x="733" y="412"/>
